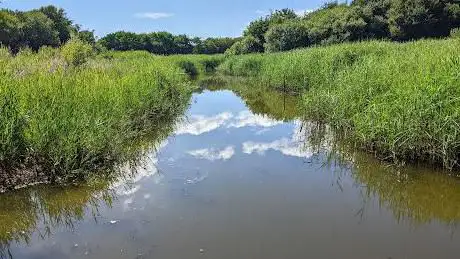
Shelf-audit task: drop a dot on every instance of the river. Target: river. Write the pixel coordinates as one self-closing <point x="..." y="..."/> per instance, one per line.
<point x="242" y="176"/>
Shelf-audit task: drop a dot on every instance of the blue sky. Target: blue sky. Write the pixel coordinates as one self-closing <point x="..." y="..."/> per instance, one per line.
<point x="203" y="18"/>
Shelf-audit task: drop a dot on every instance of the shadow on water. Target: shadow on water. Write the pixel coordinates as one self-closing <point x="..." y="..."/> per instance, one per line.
<point x="413" y="194"/>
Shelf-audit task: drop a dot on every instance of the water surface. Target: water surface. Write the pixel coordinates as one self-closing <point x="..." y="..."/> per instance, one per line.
<point x="241" y="178"/>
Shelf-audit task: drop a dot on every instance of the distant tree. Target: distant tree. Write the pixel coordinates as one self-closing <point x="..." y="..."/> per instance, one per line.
<point x="414" y="19"/>
<point x="286" y="36"/>
<point x="87" y="37"/>
<point x="182" y="45"/>
<point x="246" y="45"/>
<point x="10" y="30"/>
<point x="259" y="27"/>
<point x="38" y="30"/>
<point x="257" y="30"/>
<point x="62" y="24"/>
<point x="375" y="14"/>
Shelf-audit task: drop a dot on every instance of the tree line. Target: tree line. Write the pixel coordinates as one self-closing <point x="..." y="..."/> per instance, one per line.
<point x="50" y="26"/>
<point x="165" y="43"/>
<point x="398" y="20"/>
<point x="46" y="26"/>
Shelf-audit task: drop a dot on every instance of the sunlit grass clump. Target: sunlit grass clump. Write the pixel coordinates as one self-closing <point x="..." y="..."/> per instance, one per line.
<point x="61" y="119"/>
<point x="399" y="100"/>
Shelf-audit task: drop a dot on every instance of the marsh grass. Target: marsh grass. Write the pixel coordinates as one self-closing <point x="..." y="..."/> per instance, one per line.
<point x="67" y="121"/>
<point x="401" y="101"/>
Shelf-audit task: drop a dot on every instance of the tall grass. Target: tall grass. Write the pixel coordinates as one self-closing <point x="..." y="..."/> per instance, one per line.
<point x="63" y="121"/>
<point x="401" y="101"/>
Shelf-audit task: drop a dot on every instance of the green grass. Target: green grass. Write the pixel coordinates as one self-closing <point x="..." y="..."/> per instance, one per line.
<point x="401" y="101"/>
<point x="64" y="122"/>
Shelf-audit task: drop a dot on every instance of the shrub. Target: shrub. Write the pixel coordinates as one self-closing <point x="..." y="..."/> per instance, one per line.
<point x="188" y="67"/>
<point x="455" y="33"/>
<point x="286" y="36"/>
<point x="247" y="45"/>
<point x="76" y="52"/>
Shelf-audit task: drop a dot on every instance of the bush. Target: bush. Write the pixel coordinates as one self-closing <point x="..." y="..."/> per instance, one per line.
<point x="286" y="36"/>
<point x="247" y="45"/>
<point x="188" y="67"/>
<point x="76" y="52"/>
<point x="455" y="33"/>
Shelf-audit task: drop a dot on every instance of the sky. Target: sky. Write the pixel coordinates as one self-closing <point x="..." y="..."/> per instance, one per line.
<point x="202" y="18"/>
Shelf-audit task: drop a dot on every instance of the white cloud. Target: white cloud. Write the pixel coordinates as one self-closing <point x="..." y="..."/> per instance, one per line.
<point x="262" y="12"/>
<point x="302" y="12"/>
<point x="213" y="154"/>
<point x="199" y="124"/>
<point x="153" y="16"/>
<point x="299" y="12"/>
<point x="248" y="119"/>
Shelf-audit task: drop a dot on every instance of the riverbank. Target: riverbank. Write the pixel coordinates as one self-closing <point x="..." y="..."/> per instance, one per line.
<point x="65" y="123"/>
<point x="400" y="101"/>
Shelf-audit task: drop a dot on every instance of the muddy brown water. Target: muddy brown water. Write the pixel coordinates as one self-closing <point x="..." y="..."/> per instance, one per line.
<point x="241" y="178"/>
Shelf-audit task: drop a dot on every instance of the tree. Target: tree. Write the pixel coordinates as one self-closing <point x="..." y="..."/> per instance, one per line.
<point x="414" y="19"/>
<point x="258" y="28"/>
<point x="248" y="44"/>
<point x="375" y="14"/>
<point x="286" y="36"/>
<point x="38" y="30"/>
<point x="61" y="23"/>
<point x="10" y="30"/>
<point x="87" y="37"/>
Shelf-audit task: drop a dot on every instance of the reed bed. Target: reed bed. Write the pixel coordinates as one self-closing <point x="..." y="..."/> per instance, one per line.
<point x="399" y="100"/>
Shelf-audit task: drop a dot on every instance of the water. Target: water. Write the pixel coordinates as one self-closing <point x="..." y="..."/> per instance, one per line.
<point x="242" y="177"/>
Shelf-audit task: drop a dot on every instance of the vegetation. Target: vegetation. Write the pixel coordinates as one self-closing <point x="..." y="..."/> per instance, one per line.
<point x="164" y="43"/>
<point x="399" y="20"/>
<point x="66" y="115"/>
<point x="398" y="100"/>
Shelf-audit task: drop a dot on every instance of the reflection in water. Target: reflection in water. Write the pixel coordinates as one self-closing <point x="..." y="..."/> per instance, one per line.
<point x="39" y="210"/>
<point x="416" y="194"/>
<point x="236" y="179"/>
<point x="413" y="193"/>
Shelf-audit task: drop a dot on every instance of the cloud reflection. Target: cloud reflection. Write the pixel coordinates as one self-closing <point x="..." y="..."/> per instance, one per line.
<point x="200" y="124"/>
<point x="212" y="154"/>
<point x="290" y="147"/>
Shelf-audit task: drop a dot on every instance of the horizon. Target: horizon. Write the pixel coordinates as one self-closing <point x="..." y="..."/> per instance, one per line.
<point x="221" y="19"/>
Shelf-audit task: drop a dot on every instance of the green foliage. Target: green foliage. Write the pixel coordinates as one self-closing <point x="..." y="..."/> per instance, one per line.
<point x="398" y="100"/>
<point x="61" y="23"/>
<point x="38" y="30"/>
<point x="247" y="45"/>
<point x="164" y="43"/>
<point x="76" y="52"/>
<point x="87" y="37"/>
<point x="67" y="123"/>
<point x="258" y="28"/>
<point x="47" y="26"/>
<point x="10" y="32"/>
<point x="414" y="19"/>
<point x="455" y="33"/>
<point x="212" y="45"/>
<point x="361" y="20"/>
<point x="286" y="36"/>
<point x="188" y="67"/>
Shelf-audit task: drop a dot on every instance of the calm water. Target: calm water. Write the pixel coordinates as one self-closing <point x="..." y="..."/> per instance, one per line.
<point x="242" y="177"/>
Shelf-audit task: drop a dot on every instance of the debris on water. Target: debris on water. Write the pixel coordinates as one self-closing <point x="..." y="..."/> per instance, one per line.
<point x="201" y="250"/>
